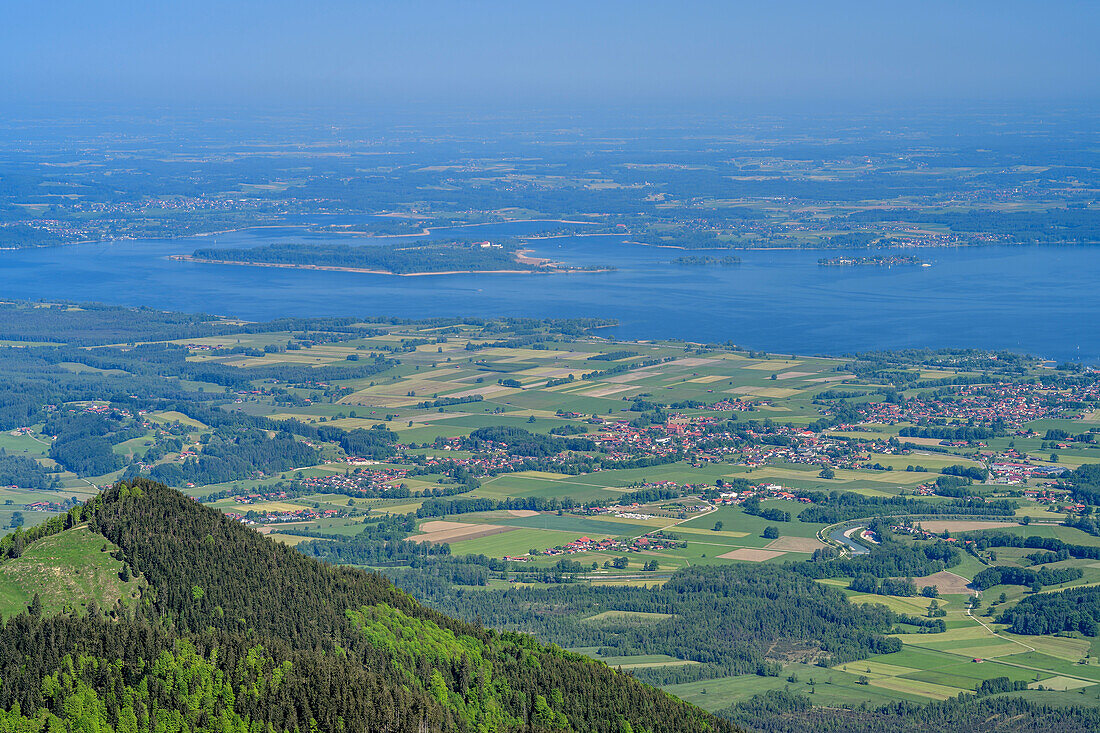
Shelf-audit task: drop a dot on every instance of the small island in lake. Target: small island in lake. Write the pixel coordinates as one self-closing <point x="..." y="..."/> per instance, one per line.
<point x="702" y="261"/>
<point x="889" y="261"/>
<point x="448" y="257"/>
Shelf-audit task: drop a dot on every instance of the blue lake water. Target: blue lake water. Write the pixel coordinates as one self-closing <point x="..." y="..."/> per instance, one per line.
<point x="1036" y="299"/>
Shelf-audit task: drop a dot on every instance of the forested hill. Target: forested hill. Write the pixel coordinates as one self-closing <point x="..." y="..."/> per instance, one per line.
<point x="235" y="632"/>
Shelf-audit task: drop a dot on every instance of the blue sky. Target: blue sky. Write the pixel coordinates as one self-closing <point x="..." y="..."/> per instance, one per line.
<point x="553" y="52"/>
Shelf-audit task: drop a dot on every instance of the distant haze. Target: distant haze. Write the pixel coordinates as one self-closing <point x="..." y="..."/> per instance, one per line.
<point x="500" y="54"/>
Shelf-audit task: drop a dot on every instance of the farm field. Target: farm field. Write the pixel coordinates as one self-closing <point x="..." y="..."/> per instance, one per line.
<point x="497" y="457"/>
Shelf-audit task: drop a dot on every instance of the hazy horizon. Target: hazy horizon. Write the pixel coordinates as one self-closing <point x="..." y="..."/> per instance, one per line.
<point x="790" y="55"/>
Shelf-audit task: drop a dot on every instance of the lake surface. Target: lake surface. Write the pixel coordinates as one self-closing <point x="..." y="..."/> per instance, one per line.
<point x="1036" y="299"/>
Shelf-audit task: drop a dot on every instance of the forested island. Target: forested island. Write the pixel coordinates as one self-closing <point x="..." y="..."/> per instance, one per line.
<point x="419" y="258"/>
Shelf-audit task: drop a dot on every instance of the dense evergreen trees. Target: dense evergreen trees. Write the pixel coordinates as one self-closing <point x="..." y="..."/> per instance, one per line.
<point x="82" y="441"/>
<point x="1076" y="609"/>
<point x="729" y="619"/>
<point x="26" y="473"/>
<point x="235" y="632"/>
<point x="232" y="455"/>
<point x="1086" y="483"/>
<point x="382" y="542"/>
<point x="1010" y="575"/>
<point x="987" y="539"/>
<point x="841" y="505"/>
<point x="520" y="442"/>
<point x="780" y="711"/>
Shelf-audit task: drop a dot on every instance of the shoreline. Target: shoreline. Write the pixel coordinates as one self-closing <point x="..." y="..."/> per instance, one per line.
<point x="424" y="232"/>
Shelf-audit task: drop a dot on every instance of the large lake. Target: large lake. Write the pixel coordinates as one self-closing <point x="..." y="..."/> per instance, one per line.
<point x="1036" y="299"/>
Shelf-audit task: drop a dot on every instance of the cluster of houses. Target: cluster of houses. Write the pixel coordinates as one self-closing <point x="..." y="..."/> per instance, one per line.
<point x="1015" y="472"/>
<point x="358" y="482"/>
<point x="305" y="514"/>
<point x="254" y="498"/>
<point x="619" y="440"/>
<point x="634" y="544"/>
<point x="479" y="465"/>
<point x="623" y="440"/>
<point x="734" y="405"/>
<point x="1057" y="498"/>
<point x="762" y="492"/>
<point x="1010" y="403"/>
<point x="917" y="531"/>
<point x="45" y="506"/>
<point x="623" y="511"/>
<point x="800" y="446"/>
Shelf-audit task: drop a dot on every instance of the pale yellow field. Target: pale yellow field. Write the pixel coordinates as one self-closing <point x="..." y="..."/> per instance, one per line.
<point x="771" y="366"/>
<point x="709" y="378"/>
<point x="796" y="544"/>
<point x="749" y="554"/>
<point x="946" y="582"/>
<point x="440" y="531"/>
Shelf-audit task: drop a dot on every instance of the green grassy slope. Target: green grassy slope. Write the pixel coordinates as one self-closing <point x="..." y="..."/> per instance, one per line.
<point x="67" y="570"/>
